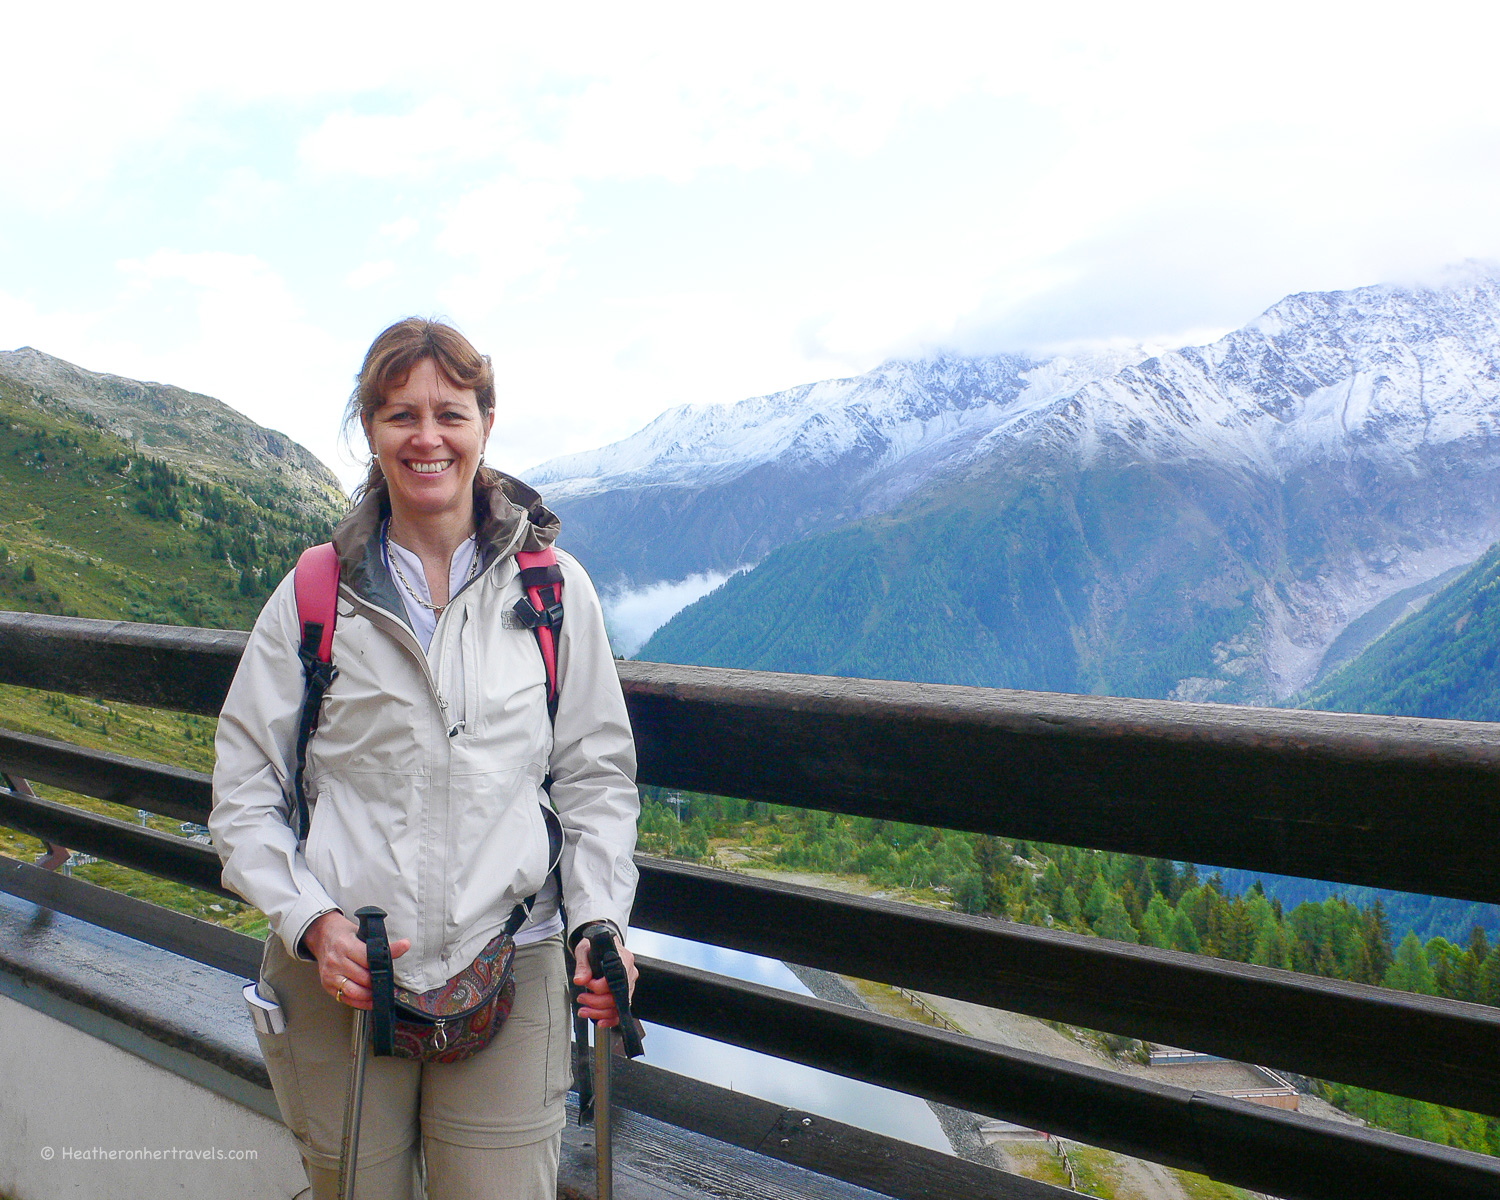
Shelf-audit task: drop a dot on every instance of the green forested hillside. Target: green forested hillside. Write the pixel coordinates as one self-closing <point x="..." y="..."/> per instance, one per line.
<point x="92" y="526"/>
<point x="1440" y="662"/>
<point x="1124" y="581"/>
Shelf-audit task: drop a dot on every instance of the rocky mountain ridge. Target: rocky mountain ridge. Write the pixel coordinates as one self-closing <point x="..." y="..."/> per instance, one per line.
<point x="185" y="428"/>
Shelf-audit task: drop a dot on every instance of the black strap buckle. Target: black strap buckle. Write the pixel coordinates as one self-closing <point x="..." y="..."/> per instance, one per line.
<point x="550" y="617"/>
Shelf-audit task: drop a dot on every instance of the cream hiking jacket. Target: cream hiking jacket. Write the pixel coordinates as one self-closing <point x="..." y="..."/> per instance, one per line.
<point x="424" y="778"/>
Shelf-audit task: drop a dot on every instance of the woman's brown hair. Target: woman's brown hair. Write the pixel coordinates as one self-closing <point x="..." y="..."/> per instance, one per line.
<point x="389" y="361"/>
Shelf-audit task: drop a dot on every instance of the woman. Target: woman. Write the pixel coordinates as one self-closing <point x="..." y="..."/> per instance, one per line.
<point x="426" y="776"/>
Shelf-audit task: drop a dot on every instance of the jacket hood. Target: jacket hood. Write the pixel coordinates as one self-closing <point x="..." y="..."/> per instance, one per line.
<point x="509" y="516"/>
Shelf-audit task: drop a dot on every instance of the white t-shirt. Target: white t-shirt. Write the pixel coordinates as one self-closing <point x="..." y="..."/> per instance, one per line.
<point x="547" y="917"/>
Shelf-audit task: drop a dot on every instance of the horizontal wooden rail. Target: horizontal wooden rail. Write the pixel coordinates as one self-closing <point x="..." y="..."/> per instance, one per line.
<point x="201" y="941"/>
<point x="1319" y="795"/>
<point x="1419" y="1046"/>
<point x="165" y="666"/>
<point x="129" y="845"/>
<point x="170" y="791"/>
<point x="1286" y="1154"/>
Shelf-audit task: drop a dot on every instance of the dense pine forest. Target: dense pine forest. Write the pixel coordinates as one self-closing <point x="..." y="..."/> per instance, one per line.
<point x="1151" y="902"/>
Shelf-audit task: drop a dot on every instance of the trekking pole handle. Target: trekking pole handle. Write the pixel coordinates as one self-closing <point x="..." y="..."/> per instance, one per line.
<point x="605" y="961"/>
<point x="382" y="977"/>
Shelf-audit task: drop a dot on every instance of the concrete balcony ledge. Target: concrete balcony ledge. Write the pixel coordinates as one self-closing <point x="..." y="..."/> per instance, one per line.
<point x="128" y="1071"/>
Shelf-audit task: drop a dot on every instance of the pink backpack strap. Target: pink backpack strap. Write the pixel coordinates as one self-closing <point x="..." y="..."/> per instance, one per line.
<point x="316" y="581"/>
<point x="542" y="610"/>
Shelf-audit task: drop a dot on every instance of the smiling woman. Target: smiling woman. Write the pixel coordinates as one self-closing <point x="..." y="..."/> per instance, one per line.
<point x="450" y="786"/>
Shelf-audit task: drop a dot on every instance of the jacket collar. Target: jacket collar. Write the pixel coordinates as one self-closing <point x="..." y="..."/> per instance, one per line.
<point x="508" y="514"/>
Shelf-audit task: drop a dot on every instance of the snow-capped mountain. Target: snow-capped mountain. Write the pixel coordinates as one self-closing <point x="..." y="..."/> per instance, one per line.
<point x="937" y="408"/>
<point x="1335" y="452"/>
<point x="708" y="487"/>
<point x="1378" y="374"/>
<point x="1375" y="373"/>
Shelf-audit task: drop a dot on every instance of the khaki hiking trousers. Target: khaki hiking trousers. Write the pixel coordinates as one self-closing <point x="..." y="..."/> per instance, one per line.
<point x="487" y="1128"/>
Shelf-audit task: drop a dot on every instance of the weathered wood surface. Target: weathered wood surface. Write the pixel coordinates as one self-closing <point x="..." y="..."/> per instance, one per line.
<point x="803" y="1141"/>
<point x="166" y="666"/>
<point x="119" y="841"/>
<point x="1320" y="795"/>
<point x="1419" y="1046"/>
<point x="809" y="1140"/>
<point x="201" y="941"/>
<point x="171" y="791"/>
<point x="1287" y="1154"/>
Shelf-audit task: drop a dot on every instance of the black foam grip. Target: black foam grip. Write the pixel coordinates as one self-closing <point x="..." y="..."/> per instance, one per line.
<point x="606" y="961"/>
<point x="382" y="979"/>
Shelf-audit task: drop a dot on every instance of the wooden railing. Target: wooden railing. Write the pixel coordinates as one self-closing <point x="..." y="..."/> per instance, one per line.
<point x="1331" y="796"/>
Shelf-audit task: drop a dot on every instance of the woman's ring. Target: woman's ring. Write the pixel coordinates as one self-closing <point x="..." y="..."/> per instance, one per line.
<point x="339" y="995"/>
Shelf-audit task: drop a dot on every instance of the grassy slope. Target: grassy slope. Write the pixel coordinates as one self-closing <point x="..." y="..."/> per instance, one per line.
<point x="69" y="510"/>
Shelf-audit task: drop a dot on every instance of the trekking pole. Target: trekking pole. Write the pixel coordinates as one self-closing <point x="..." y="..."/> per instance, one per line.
<point x="603" y="1132"/>
<point x="605" y="962"/>
<point x="363" y="1040"/>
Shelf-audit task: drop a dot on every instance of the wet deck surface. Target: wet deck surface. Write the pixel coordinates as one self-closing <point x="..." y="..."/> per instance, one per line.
<point x="657" y="1161"/>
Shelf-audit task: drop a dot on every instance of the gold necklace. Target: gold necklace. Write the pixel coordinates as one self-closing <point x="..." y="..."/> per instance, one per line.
<point x="436" y="609"/>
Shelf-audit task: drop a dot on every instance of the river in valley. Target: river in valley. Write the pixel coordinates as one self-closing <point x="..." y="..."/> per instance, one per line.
<point x="848" y="1100"/>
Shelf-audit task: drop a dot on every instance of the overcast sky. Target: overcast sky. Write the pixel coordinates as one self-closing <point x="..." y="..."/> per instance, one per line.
<point x="637" y="206"/>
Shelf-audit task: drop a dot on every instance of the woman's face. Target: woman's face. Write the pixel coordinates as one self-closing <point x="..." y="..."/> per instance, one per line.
<point x="429" y="438"/>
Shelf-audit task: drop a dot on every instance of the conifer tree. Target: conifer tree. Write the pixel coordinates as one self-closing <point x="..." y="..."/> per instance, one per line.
<point x="1471" y="964"/>
<point x="1114" y="923"/>
<point x="1272" y="948"/>
<point x="1094" y="903"/>
<point x="1489" y="977"/>
<point x="1377" y="936"/>
<point x="1183" y="936"/>
<point x="1070" y="909"/>
<point x="1411" y="971"/>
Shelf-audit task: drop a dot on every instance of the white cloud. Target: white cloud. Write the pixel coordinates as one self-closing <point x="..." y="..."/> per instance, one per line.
<point x="436" y="134"/>
<point x="632" y="615"/>
<point x="505" y="231"/>
<point x="1166" y="166"/>
<point x="403" y="229"/>
<point x="367" y="274"/>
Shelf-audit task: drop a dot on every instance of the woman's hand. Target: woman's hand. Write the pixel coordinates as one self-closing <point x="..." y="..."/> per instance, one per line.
<point x="595" y="1002"/>
<point x="343" y="965"/>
